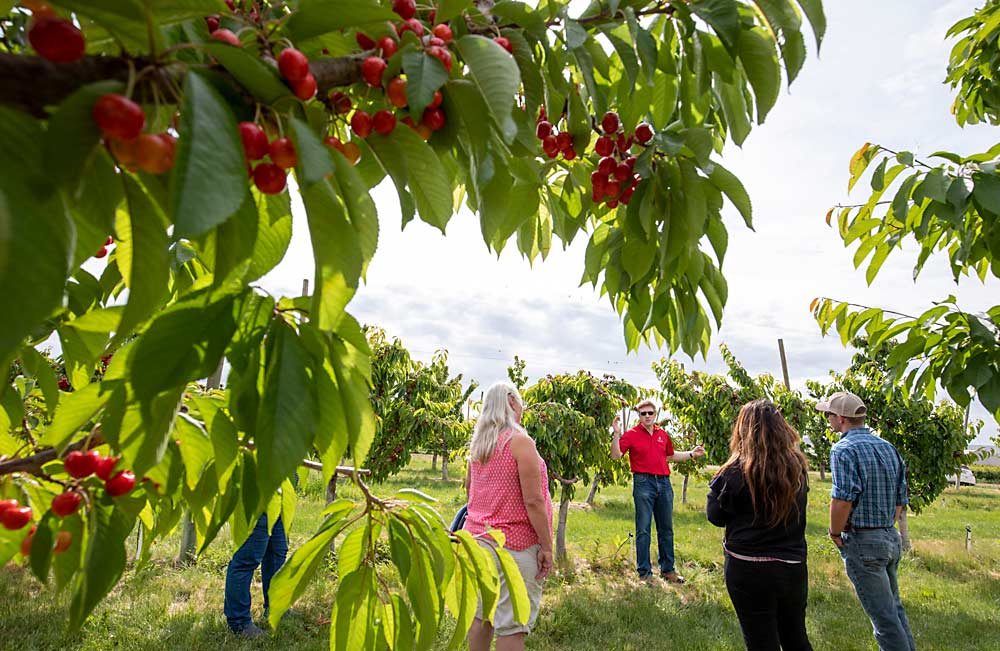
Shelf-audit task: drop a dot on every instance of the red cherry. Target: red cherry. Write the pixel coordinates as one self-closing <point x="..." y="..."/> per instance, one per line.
<point x="364" y="41"/>
<point x="361" y="124"/>
<point x="434" y="40"/>
<point x="613" y="203"/>
<point x="118" y="117"/>
<point x="388" y="46"/>
<point x="352" y="151"/>
<point x="384" y="122"/>
<point x="124" y="481"/>
<point x="606" y="166"/>
<point x="283" y="154"/>
<point x="26" y="543"/>
<point x="231" y="4"/>
<point x="543" y="129"/>
<point x="212" y="22"/>
<point x="612" y="188"/>
<point x="610" y="122"/>
<point x="63" y="540"/>
<point x="643" y="132"/>
<point x="154" y="154"/>
<point x="604" y="146"/>
<point x="564" y="140"/>
<point x="254" y="141"/>
<point x="550" y="146"/>
<point x="101" y="252"/>
<point x="64" y="384"/>
<point x="436" y="102"/>
<point x="81" y="464"/>
<point x="293" y="65"/>
<point x="334" y="142"/>
<point x="305" y="89"/>
<point x="226" y="36"/>
<point x="395" y="90"/>
<point x="340" y="101"/>
<point x="504" y="43"/>
<point x="372" y="69"/>
<point x="105" y="466"/>
<point x="8" y="504"/>
<point x="441" y="54"/>
<point x="109" y="241"/>
<point x="622" y="171"/>
<point x="269" y="178"/>
<point x="443" y="32"/>
<point x="434" y="118"/>
<point x="16" y="517"/>
<point x="405" y="8"/>
<point x="56" y="39"/>
<point x="411" y="25"/>
<point x="569" y="153"/>
<point x="66" y="503"/>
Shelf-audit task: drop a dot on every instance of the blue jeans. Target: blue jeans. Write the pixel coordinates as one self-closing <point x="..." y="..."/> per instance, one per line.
<point x="459" y="520"/>
<point x="871" y="557"/>
<point x="260" y="549"/>
<point x="654" y="500"/>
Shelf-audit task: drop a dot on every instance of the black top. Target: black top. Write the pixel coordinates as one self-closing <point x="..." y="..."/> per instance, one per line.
<point x="729" y="506"/>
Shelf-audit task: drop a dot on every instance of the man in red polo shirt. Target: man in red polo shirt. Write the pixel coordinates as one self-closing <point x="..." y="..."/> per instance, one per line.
<point x="649" y="448"/>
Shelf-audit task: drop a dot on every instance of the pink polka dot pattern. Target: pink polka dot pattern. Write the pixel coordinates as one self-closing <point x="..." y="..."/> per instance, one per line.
<point x="496" y="501"/>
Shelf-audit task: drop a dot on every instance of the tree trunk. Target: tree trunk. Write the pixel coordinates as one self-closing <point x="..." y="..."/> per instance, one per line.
<point x="593" y="489"/>
<point x="188" y="540"/>
<point x="434" y="461"/>
<point x="904" y="531"/>
<point x="561" y="527"/>
<point x="822" y="470"/>
<point x="684" y="489"/>
<point x="444" y="467"/>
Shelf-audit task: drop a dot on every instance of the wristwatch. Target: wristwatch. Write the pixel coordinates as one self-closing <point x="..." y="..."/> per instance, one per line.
<point x="835" y="535"/>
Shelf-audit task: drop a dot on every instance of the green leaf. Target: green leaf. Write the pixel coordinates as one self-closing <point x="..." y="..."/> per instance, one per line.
<point x="196" y="449"/>
<point x="209" y="179"/>
<point x="760" y="62"/>
<point x="515" y="586"/>
<point x="93" y="204"/>
<point x="291" y="581"/>
<point x="75" y="410"/>
<point x="495" y="74"/>
<point x="142" y="236"/>
<point x="37" y="246"/>
<point x="360" y="207"/>
<point x="813" y="9"/>
<point x="258" y="78"/>
<point x="448" y="9"/>
<point x="288" y="410"/>
<point x="726" y="181"/>
<point x="337" y="253"/>
<point x="424" y="75"/>
<point x="104" y="561"/>
<point x="72" y="133"/>
<point x="723" y="17"/>
<point x="183" y="343"/>
<point x="274" y="233"/>
<point x="986" y="192"/>
<point x="425" y="175"/>
<point x="317" y="17"/>
<point x="314" y="157"/>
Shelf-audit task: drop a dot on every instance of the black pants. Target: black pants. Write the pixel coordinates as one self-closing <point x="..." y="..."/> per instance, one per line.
<point x="770" y="601"/>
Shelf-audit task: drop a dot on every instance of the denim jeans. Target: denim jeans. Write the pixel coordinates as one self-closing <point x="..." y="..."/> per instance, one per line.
<point x="260" y="549"/>
<point x="871" y="558"/>
<point x="654" y="500"/>
<point x="770" y="602"/>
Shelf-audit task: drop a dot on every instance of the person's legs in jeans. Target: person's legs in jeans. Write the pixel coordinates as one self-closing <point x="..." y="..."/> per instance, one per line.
<point x="663" y="513"/>
<point x="751" y="589"/>
<point x="793" y="593"/>
<point x="274" y="558"/>
<point x="867" y="558"/>
<point x="644" y="495"/>
<point x="239" y="576"/>
<point x="893" y="570"/>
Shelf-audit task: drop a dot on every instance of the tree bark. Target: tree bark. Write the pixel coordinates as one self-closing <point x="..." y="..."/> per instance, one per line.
<point x="32" y="83"/>
<point x="444" y="467"/>
<point x="822" y="470"/>
<point x="561" y="526"/>
<point x="904" y="531"/>
<point x="331" y="495"/>
<point x="684" y="489"/>
<point x="434" y="461"/>
<point x="593" y="489"/>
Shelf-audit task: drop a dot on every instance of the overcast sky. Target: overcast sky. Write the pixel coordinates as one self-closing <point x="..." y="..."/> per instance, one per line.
<point x="878" y="78"/>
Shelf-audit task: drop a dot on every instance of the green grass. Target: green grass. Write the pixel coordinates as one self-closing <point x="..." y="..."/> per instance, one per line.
<point x="595" y="603"/>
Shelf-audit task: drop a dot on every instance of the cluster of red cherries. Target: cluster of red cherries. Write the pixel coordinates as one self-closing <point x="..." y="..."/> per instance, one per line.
<point x="615" y="179"/>
<point x="554" y="142"/>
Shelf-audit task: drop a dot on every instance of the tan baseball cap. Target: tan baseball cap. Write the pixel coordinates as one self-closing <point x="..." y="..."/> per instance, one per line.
<point x="843" y="403"/>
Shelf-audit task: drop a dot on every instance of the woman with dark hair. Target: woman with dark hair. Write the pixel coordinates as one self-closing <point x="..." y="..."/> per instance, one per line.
<point x="759" y="496"/>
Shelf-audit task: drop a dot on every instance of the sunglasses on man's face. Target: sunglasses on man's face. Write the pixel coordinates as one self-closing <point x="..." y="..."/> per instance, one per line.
<point x="646" y="413"/>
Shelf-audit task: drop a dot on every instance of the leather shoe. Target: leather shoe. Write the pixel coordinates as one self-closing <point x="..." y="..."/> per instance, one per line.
<point x="672" y="577"/>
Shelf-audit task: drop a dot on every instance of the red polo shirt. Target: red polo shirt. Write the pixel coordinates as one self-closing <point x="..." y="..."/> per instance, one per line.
<point x="647" y="452"/>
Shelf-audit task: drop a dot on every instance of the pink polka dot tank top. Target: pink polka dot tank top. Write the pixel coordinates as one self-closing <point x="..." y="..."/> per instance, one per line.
<point x="495" y="499"/>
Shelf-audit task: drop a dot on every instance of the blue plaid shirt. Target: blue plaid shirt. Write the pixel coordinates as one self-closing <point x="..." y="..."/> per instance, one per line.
<point x="868" y="472"/>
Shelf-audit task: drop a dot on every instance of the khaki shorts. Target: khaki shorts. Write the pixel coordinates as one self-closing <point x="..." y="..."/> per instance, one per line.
<point x="503" y="619"/>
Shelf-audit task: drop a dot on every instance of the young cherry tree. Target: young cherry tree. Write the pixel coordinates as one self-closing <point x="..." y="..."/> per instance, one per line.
<point x="158" y="137"/>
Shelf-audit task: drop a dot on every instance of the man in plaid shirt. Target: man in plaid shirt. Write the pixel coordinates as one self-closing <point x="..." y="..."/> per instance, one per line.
<point x="867" y="498"/>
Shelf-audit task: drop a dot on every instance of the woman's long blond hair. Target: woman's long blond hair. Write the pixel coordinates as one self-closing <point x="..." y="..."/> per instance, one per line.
<point x="496" y="417"/>
<point x="766" y="448"/>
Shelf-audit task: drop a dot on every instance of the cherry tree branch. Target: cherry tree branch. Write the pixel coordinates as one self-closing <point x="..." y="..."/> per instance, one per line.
<point x="33" y="464"/>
